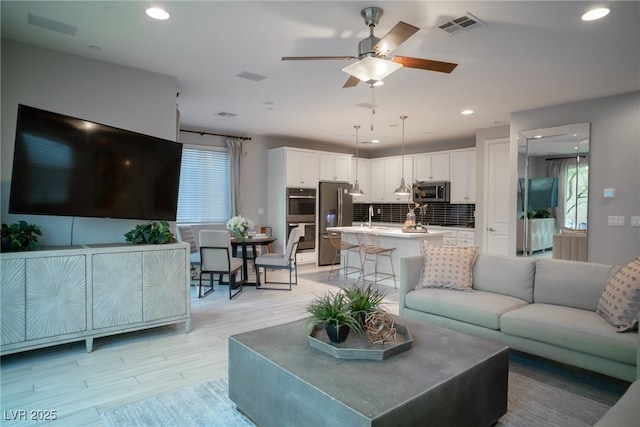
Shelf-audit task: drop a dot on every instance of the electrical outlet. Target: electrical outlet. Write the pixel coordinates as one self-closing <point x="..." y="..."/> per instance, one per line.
<point x="635" y="221"/>
<point x="616" y="221"/>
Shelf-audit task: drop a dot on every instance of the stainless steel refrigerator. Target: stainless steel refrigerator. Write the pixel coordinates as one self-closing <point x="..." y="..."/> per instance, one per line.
<point x="335" y="210"/>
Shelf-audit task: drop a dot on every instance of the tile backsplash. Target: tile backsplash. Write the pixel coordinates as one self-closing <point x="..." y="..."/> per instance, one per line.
<point x="444" y="214"/>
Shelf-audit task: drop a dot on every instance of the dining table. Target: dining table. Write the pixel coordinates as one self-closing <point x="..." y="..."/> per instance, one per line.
<point x="249" y="242"/>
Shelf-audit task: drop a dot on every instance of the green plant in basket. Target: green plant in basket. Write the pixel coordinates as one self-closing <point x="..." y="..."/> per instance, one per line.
<point x="332" y="311"/>
<point x="20" y="236"/>
<point x="363" y="300"/>
<point x="155" y="232"/>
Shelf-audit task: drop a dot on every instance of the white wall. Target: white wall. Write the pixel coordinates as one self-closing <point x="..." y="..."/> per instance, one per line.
<point x="614" y="162"/>
<point x="114" y="95"/>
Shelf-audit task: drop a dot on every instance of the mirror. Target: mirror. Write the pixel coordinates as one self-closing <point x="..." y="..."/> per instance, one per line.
<point x="553" y="192"/>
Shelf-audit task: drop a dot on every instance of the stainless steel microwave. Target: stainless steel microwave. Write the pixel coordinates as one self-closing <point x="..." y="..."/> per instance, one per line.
<point x="427" y="192"/>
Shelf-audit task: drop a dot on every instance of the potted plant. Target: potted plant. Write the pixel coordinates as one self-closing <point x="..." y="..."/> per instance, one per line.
<point x="332" y="311"/>
<point x="20" y="236"/>
<point x="364" y="300"/>
<point x="155" y="232"/>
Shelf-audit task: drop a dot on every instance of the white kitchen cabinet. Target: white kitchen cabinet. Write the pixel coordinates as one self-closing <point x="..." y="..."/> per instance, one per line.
<point x="364" y="178"/>
<point x="386" y="174"/>
<point x="335" y="167"/>
<point x="431" y="167"/>
<point x="463" y="176"/>
<point x="302" y="168"/>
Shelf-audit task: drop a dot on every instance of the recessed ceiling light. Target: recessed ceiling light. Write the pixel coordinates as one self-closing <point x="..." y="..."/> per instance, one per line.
<point x="467" y="112"/>
<point x="157" y="13"/>
<point x="595" y="14"/>
<point x="375" y="141"/>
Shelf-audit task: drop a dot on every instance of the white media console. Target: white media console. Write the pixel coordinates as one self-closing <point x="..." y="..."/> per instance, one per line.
<point x="52" y="296"/>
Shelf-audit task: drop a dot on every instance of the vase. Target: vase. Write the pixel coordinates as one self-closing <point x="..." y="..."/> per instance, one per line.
<point x="239" y="234"/>
<point x="337" y="335"/>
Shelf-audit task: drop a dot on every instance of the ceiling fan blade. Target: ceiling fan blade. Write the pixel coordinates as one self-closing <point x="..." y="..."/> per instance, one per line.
<point x="394" y="38"/>
<point x="351" y="82"/>
<point x="425" y="64"/>
<point x="314" y="58"/>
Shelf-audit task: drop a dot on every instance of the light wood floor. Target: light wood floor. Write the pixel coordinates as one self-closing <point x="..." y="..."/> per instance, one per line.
<point x="130" y="367"/>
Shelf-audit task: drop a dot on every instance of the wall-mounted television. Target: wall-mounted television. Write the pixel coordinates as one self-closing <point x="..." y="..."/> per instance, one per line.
<point x="543" y="193"/>
<point x="68" y="166"/>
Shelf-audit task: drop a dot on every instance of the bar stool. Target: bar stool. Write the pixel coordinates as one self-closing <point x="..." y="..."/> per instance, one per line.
<point x="371" y="250"/>
<point x="340" y="245"/>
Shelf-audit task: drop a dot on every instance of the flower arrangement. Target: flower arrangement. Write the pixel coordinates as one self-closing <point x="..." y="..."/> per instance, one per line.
<point x="239" y="226"/>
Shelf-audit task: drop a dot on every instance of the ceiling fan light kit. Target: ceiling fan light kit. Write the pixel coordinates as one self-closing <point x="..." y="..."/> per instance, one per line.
<point x="371" y="69"/>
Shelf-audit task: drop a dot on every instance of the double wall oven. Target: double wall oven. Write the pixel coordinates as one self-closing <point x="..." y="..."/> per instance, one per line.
<point x="301" y="211"/>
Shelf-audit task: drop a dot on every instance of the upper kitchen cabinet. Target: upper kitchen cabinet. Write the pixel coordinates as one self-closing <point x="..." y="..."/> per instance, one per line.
<point x="463" y="176"/>
<point x="335" y="167"/>
<point x="385" y="178"/>
<point x="302" y="168"/>
<point x="431" y="167"/>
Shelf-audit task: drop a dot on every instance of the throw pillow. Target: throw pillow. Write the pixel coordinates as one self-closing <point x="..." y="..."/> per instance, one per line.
<point x="619" y="303"/>
<point x="448" y="267"/>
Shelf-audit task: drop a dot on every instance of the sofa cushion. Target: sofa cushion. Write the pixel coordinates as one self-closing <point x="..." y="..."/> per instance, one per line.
<point x="619" y="303"/>
<point x="447" y="267"/>
<point x="478" y="308"/>
<point x="505" y="275"/>
<point x="571" y="328"/>
<point x="571" y="283"/>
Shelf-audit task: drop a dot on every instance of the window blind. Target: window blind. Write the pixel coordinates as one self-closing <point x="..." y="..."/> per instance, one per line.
<point x="204" y="187"/>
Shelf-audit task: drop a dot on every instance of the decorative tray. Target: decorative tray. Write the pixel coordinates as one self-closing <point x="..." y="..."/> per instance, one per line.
<point x="414" y="230"/>
<point x="358" y="347"/>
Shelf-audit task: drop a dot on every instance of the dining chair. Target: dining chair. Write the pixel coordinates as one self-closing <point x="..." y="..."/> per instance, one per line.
<point x="216" y="259"/>
<point x="185" y="234"/>
<point x="285" y="261"/>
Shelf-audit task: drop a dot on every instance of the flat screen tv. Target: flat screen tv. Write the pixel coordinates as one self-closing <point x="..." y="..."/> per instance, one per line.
<point x="68" y="166"/>
<point x="543" y="193"/>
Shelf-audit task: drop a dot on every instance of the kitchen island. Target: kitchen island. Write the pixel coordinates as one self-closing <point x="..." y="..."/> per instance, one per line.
<point x="405" y="244"/>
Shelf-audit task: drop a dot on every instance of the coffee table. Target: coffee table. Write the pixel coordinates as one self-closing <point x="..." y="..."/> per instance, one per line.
<point x="447" y="378"/>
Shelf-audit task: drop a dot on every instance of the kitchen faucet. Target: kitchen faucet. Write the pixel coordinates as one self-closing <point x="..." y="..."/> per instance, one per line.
<point x="370" y="214"/>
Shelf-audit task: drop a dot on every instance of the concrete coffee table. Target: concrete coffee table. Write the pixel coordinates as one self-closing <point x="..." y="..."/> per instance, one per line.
<point x="447" y="378"/>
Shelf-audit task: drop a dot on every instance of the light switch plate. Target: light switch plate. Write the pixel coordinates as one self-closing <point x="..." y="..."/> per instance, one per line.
<point x="616" y="221"/>
<point x="635" y="221"/>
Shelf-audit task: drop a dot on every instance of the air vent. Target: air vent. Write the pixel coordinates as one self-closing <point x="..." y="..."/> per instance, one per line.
<point x="226" y="115"/>
<point x="251" y="76"/>
<point x="50" y="24"/>
<point x="367" y="106"/>
<point x="464" y="23"/>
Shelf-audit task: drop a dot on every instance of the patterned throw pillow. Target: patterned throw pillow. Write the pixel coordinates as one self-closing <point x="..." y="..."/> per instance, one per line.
<point x="619" y="303"/>
<point x="448" y="267"/>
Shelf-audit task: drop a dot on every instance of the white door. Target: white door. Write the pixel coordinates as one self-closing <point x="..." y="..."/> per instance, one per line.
<point x="496" y="177"/>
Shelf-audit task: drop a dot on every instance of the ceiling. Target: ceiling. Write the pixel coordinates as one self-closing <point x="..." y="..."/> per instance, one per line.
<point x="530" y="54"/>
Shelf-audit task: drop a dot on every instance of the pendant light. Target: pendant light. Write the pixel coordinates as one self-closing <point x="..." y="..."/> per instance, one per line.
<point x="356" y="191"/>
<point x="404" y="189"/>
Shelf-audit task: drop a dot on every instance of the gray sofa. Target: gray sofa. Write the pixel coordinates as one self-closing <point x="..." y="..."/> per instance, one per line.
<point x="543" y="307"/>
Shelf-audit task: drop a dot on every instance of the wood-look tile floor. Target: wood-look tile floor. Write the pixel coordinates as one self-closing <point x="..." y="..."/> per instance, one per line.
<point x="129" y="367"/>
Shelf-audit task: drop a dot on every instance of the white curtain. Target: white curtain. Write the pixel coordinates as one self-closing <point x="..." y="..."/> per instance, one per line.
<point x="558" y="169"/>
<point x="234" y="148"/>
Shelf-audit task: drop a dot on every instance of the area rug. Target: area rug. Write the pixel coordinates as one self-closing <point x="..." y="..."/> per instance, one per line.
<point x="541" y="394"/>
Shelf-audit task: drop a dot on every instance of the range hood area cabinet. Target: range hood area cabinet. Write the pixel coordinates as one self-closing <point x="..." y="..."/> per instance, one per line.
<point x="431" y="167"/>
<point x="385" y="177"/>
<point x="463" y="176"/>
<point x="335" y="167"/>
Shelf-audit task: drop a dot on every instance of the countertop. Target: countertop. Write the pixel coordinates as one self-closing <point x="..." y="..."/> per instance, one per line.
<point x="386" y="231"/>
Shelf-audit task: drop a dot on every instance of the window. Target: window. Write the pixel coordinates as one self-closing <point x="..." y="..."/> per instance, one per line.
<point x="204" y="186"/>
<point x="576" y="197"/>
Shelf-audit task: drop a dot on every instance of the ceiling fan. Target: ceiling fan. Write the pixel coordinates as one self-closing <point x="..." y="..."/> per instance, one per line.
<point x="373" y="66"/>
